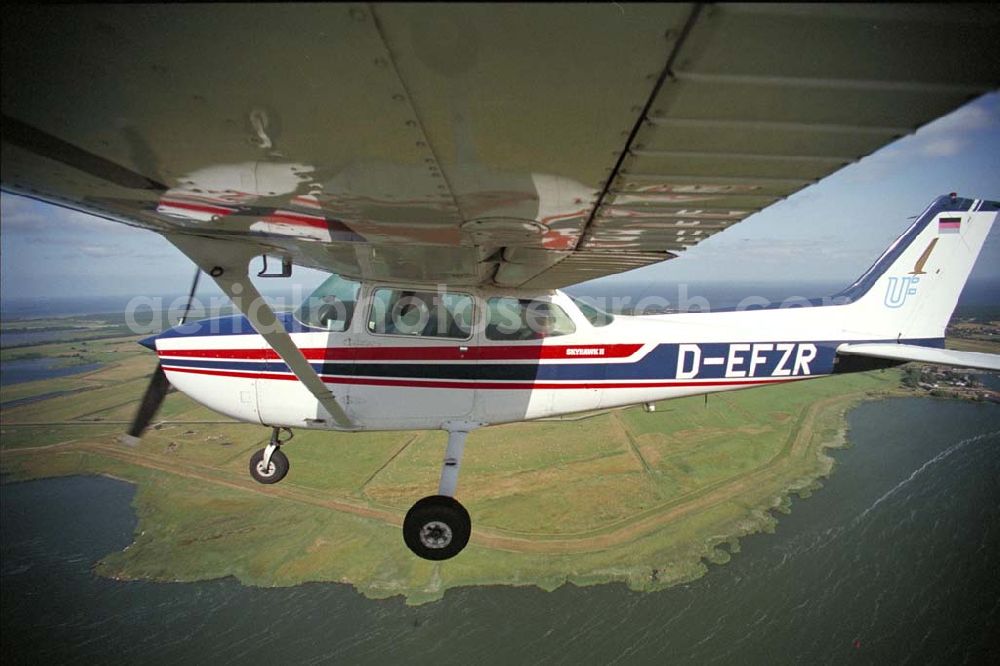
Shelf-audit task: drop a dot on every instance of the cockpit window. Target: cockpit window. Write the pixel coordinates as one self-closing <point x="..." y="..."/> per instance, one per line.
<point x="421" y="313"/>
<point x="525" y="319"/>
<point x="594" y="316"/>
<point x="331" y="306"/>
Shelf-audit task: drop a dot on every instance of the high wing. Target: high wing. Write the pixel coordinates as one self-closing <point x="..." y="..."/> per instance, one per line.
<point x="517" y="145"/>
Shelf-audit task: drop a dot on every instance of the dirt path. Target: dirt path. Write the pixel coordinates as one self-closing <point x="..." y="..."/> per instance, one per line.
<point x="609" y="536"/>
<point x="631" y="445"/>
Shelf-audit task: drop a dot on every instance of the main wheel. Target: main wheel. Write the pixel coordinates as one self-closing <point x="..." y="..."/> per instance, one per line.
<point x="437" y="528"/>
<point x="275" y="470"/>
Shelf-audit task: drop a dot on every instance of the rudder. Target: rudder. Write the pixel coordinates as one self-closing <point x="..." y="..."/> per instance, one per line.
<point x="910" y="292"/>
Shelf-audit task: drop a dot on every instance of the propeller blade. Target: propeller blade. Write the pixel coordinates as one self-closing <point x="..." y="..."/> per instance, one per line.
<point x="158" y="387"/>
<point x="151" y="401"/>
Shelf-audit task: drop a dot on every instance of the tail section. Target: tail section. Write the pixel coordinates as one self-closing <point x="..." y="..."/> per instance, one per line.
<point x="894" y="352"/>
<point x="911" y="291"/>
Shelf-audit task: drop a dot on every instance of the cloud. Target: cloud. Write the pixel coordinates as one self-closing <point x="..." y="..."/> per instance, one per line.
<point x="776" y="249"/>
<point x="963" y="129"/>
<point x="981" y="114"/>
<point x="23" y="215"/>
<point x="101" y="251"/>
<point x="942" y="147"/>
<point x="947" y="135"/>
<point x="110" y="251"/>
<point x="744" y="258"/>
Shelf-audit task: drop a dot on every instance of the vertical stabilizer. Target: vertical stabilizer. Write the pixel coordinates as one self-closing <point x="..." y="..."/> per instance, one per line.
<point x="911" y="291"/>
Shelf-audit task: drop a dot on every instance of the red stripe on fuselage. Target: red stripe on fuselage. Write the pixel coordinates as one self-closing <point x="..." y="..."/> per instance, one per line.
<point x="513" y="386"/>
<point x="455" y="353"/>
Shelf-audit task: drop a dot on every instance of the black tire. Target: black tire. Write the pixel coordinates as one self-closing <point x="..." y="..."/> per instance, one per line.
<point x="276" y="470"/>
<point x="437" y="528"/>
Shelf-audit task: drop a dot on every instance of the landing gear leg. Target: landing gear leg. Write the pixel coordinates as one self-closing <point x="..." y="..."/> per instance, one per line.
<point x="438" y="527"/>
<point x="270" y="465"/>
<point x="451" y="463"/>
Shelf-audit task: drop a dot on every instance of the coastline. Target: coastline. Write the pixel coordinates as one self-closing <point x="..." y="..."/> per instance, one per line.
<point x="667" y="545"/>
<point x="871" y="550"/>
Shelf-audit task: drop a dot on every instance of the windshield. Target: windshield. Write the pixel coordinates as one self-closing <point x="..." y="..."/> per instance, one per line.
<point x="594" y="316"/>
<point x="331" y="306"/>
<point x="525" y="319"/>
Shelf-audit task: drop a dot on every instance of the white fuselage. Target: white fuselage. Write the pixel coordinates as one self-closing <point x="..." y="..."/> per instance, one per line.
<point x="387" y="382"/>
<point x="410" y="379"/>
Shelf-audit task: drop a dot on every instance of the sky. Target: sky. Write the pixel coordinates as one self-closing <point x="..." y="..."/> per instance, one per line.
<point x="831" y="231"/>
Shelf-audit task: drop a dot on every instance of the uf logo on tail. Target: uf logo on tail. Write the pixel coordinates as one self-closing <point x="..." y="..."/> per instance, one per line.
<point x="899" y="288"/>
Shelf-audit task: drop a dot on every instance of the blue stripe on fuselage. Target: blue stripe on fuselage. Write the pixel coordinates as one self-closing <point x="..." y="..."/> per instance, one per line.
<point x="694" y="361"/>
<point x="232" y="325"/>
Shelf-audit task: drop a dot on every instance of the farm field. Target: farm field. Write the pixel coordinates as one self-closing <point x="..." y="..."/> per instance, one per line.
<point x="643" y="498"/>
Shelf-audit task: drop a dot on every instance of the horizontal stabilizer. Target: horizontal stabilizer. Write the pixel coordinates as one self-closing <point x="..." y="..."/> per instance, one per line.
<point x="962" y="359"/>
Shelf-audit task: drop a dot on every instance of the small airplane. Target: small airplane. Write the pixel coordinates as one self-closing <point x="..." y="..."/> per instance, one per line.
<point x="401" y="356"/>
<point x="453" y="167"/>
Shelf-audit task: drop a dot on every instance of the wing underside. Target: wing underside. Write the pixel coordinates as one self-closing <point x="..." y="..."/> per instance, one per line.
<point x="526" y="146"/>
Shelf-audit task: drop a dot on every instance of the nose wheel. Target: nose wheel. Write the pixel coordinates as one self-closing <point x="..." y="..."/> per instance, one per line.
<point x="438" y="527"/>
<point x="270" y="465"/>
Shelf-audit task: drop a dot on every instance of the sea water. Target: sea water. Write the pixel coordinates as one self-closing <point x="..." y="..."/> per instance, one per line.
<point x="895" y="560"/>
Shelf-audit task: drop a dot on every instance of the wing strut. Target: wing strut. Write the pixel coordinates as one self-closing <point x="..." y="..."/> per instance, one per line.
<point x="227" y="263"/>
